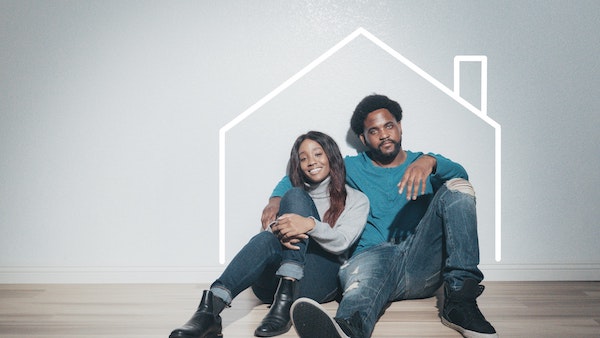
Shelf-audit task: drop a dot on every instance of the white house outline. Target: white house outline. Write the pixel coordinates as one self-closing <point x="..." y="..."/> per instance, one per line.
<point x="454" y="94"/>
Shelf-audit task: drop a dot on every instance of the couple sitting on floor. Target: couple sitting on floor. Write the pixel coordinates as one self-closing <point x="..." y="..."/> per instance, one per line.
<point x="385" y="225"/>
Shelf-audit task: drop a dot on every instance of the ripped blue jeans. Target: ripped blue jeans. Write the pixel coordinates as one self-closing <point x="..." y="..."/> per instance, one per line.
<point x="443" y="248"/>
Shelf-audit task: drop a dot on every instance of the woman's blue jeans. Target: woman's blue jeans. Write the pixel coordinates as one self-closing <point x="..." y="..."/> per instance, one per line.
<point x="444" y="247"/>
<point x="263" y="260"/>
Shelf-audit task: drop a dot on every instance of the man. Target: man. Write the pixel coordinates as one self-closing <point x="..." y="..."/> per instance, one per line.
<point x="421" y="233"/>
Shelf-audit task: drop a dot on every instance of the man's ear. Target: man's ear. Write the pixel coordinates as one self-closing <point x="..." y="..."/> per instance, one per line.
<point x="362" y="139"/>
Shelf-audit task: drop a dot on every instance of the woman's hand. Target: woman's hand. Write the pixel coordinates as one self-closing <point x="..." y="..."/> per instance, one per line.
<point x="291" y="228"/>
<point x="290" y="244"/>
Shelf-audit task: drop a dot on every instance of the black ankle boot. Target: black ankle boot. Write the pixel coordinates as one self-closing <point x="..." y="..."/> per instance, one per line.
<point x="206" y="322"/>
<point x="277" y="321"/>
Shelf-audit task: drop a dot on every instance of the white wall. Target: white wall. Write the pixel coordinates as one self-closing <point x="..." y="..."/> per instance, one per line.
<point x="110" y="115"/>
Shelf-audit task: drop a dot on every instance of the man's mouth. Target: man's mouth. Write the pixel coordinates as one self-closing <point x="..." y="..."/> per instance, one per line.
<point x="386" y="143"/>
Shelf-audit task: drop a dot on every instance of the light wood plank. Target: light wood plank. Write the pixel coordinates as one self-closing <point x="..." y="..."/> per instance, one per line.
<point x="516" y="309"/>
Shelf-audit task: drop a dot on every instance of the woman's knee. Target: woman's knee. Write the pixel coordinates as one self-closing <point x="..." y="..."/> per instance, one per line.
<point x="295" y="197"/>
<point x="295" y="193"/>
<point x="298" y="201"/>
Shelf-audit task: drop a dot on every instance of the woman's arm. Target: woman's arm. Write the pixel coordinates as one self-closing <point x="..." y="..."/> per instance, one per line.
<point x="348" y="227"/>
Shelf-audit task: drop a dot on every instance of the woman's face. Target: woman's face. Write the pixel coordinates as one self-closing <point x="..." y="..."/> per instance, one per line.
<point x="313" y="161"/>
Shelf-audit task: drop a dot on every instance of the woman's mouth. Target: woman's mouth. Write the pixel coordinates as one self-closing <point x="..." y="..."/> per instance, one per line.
<point x="314" y="171"/>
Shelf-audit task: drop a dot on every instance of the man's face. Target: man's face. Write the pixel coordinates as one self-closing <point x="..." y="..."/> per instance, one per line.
<point x="382" y="135"/>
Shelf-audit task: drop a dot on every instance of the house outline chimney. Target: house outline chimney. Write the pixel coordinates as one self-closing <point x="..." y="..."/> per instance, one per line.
<point x="482" y="59"/>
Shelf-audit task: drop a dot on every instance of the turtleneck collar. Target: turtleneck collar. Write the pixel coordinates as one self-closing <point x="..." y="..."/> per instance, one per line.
<point x="319" y="190"/>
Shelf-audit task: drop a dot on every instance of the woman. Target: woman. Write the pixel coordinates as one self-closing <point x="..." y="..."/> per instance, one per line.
<point x="299" y="255"/>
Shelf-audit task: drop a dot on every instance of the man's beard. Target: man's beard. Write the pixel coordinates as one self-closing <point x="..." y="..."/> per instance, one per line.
<point x="378" y="155"/>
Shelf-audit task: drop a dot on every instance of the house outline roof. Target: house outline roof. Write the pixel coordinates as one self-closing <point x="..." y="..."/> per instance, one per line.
<point x="453" y="93"/>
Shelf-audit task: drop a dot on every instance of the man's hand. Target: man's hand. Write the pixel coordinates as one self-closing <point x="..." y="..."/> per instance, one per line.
<point x="416" y="176"/>
<point x="270" y="212"/>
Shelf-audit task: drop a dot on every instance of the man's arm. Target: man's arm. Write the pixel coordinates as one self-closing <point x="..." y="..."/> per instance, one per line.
<point x="272" y="208"/>
<point x="437" y="166"/>
<point x="416" y="175"/>
<point x="269" y="213"/>
<point x="447" y="169"/>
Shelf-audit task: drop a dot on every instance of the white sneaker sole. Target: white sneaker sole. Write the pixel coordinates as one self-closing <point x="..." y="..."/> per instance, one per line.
<point x="468" y="333"/>
<point x="311" y="321"/>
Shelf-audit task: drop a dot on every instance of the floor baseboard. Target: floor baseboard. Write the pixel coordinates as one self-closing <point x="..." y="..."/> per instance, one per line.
<point x="117" y="275"/>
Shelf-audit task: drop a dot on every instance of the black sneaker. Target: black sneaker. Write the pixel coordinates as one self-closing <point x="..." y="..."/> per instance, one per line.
<point x="352" y="327"/>
<point x="311" y="321"/>
<point x="462" y="314"/>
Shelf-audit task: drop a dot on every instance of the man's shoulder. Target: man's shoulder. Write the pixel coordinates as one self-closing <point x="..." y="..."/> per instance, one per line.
<point x="413" y="154"/>
<point x="355" y="159"/>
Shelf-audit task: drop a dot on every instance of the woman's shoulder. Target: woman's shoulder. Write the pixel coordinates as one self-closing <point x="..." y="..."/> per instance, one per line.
<point x="356" y="196"/>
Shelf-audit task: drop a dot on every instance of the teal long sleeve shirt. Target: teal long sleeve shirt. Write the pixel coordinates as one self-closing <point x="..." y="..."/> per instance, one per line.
<point x="391" y="217"/>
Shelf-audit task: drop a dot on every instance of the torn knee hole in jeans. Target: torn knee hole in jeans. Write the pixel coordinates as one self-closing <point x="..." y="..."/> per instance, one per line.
<point x="353" y="285"/>
<point x="460" y="185"/>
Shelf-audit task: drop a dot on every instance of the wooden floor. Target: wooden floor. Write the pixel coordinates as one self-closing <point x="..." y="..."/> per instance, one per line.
<point x="516" y="309"/>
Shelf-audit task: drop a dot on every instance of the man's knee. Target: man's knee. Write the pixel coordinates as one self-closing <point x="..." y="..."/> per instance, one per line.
<point x="460" y="185"/>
